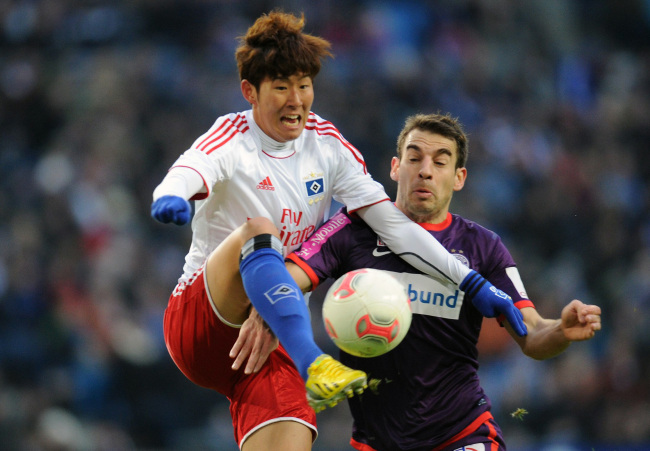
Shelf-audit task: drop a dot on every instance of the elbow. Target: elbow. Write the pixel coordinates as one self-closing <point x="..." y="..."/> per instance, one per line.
<point x="538" y="356"/>
<point x="543" y="353"/>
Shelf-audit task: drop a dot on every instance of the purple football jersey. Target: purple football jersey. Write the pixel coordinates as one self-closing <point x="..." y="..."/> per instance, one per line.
<point x="429" y="389"/>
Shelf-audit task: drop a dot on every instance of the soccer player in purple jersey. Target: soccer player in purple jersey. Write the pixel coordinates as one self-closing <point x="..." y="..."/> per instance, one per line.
<point x="430" y="397"/>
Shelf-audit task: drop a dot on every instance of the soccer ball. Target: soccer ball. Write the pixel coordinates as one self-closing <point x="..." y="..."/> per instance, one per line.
<point x="367" y="312"/>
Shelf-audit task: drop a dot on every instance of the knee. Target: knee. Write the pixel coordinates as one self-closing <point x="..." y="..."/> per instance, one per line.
<point x="258" y="226"/>
<point x="259" y="233"/>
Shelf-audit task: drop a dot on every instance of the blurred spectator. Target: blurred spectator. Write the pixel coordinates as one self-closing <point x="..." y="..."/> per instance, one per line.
<point x="97" y="96"/>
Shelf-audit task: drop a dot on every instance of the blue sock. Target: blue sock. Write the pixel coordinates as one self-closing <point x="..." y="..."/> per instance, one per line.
<point x="277" y="298"/>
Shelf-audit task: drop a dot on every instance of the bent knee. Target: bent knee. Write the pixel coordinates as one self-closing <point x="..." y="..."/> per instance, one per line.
<point x="257" y="226"/>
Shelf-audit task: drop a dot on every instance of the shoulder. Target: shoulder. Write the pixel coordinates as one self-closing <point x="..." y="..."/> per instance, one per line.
<point x="469" y="227"/>
<point x="339" y="222"/>
<point x="355" y="221"/>
<point x="319" y="127"/>
<point x="226" y="132"/>
<point x="486" y="247"/>
<point x="325" y="132"/>
<point x="322" y="136"/>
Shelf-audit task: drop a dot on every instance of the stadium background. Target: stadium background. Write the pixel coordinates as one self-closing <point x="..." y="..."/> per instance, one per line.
<point x="97" y="99"/>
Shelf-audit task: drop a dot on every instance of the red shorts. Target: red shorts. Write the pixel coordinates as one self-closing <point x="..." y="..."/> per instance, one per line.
<point x="199" y="343"/>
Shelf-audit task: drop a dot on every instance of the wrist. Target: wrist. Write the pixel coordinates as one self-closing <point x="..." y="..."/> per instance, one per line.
<point x="472" y="284"/>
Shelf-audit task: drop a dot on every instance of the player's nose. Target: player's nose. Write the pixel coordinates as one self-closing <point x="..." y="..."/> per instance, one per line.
<point x="425" y="172"/>
<point x="294" y="98"/>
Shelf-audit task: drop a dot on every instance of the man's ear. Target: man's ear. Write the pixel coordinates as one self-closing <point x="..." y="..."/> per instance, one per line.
<point x="394" y="169"/>
<point x="461" y="176"/>
<point x="249" y="92"/>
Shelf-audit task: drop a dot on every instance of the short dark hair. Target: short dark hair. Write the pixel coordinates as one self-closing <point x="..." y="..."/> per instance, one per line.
<point x="275" y="46"/>
<point x="441" y="124"/>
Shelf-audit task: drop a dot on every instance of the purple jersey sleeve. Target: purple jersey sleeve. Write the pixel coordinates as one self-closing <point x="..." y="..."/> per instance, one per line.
<point x="321" y="254"/>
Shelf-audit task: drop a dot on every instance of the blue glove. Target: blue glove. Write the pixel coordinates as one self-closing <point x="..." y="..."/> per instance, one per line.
<point x="171" y="209"/>
<point x="492" y="302"/>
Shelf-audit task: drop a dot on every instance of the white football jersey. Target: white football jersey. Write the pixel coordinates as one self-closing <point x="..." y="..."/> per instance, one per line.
<point x="293" y="187"/>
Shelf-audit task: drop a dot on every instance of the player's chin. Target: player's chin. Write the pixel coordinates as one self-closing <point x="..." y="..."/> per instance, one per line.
<point x="291" y="133"/>
<point x="422" y="204"/>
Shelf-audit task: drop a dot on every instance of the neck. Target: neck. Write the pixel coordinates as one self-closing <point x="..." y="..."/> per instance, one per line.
<point x="425" y="218"/>
<point x="269" y="144"/>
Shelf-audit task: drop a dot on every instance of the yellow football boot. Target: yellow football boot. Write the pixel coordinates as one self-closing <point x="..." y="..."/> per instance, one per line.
<point x="330" y="382"/>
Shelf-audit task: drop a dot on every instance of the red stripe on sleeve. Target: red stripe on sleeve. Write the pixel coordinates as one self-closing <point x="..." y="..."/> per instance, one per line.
<point x="226" y="140"/>
<point x="326" y="128"/>
<point x="305" y="267"/>
<point x="200" y="145"/>
<point x="519" y="304"/>
<point x="233" y="127"/>
<point x="524" y="303"/>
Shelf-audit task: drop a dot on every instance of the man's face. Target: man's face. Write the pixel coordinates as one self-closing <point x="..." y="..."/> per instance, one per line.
<point x="281" y="106"/>
<point x="427" y="176"/>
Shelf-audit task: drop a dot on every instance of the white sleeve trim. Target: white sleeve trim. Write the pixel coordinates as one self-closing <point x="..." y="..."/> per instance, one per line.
<point x="180" y="181"/>
<point x="515" y="278"/>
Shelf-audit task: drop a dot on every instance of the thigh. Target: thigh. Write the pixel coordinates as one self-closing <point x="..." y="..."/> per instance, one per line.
<point x="225" y="286"/>
<point x="273" y="395"/>
<point x="199" y="343"/>
<point x="281" y="435"/>
<point x="197" y="340"/>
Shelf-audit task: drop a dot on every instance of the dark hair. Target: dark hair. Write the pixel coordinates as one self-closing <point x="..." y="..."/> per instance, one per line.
<point x="441" y="124"/>
<point x="275" y="46"/>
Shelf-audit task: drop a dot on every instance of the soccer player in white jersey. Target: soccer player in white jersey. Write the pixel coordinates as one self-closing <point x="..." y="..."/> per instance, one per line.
<point x="430" y="397"/>
<point x="263" y="181"/>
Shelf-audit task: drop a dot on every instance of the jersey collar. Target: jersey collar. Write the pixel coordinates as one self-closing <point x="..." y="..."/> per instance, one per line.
<point x="270" y="146"/>
<point x="438" y="227"/>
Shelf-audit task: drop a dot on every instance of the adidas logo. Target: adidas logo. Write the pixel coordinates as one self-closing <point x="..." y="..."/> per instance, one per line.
<point x="266" y="184"/>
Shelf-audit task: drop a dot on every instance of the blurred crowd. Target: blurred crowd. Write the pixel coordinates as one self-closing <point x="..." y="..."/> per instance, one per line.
<point x="98" y="98"/>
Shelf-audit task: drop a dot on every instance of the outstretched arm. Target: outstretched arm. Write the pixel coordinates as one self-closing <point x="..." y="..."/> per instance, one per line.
<point x="412" y="243"/>
<point x="171" y="196"/>
<point x="420" y="249"/>
<point x="549" y="337"/>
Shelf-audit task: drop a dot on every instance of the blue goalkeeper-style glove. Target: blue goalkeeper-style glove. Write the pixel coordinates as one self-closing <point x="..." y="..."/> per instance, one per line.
<point x="171" y="209"/>
<point x="492" y="302"/>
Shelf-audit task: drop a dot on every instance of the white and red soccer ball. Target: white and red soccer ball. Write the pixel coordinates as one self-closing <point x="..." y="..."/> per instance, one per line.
<point x="367" y="312"/>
